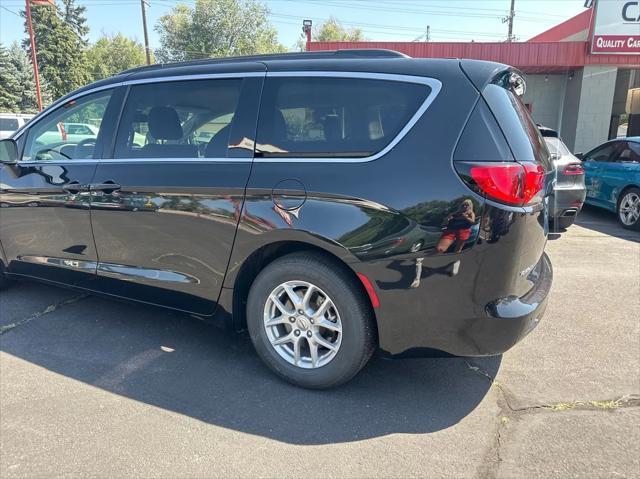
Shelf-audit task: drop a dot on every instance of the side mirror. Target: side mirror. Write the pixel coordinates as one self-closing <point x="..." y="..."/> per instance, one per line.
<point x="8" y="152"/>
<point x="579" y="156"/>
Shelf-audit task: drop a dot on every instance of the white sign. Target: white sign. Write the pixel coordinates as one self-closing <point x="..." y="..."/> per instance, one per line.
<point x="617" y="27"/>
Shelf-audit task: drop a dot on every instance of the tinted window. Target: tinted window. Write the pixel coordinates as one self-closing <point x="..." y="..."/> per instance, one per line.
<point x="629" y="153"/>
<point x="522" y="134"/>
<point x="48" y="140"/>
<point x="9" y="124"/>
<point x="186" y="119"/>
<point x="603" y="153"/>
<point x="334" y="117"/>
<point x="556" y="147"/>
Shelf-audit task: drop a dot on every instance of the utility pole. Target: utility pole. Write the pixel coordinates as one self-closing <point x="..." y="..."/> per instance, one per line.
<point x="34" y="56"/>
<point x="509" y="20"/>
<point x="146" y="35"/>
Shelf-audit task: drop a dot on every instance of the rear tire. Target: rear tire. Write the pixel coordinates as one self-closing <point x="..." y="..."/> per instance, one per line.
<point x="629" y="209"/>
<point x="344" y="328"/>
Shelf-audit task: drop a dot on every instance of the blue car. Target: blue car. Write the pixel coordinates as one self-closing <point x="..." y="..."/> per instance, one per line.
<point x="612" y="179"/>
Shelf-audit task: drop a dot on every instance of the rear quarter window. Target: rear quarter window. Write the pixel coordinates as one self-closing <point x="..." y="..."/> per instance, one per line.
<point x="324" y="117"/>
<point x="514" y="119"/>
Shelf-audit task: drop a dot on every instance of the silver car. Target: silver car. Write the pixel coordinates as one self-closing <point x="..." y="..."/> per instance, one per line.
<point x="569" y="190"/>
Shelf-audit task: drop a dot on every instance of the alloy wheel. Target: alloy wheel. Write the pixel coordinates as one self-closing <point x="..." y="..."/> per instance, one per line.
<point x="629" y="210"/>
<point x="302" y="324"/>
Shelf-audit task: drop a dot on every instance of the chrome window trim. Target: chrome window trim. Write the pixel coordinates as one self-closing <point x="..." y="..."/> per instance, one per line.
<point x="90" y="161"/>
<point x="432" y="83"/>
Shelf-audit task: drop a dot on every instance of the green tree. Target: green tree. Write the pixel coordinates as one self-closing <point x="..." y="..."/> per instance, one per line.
<point x="60" y="49"/>
<point x="26" y="92"/>
<point x="214" y="28"/>
<point x="74" y="16"/>
<point x="333" y="31"/>
<point x="8" y="83"/>
<point x="112" y="54"/>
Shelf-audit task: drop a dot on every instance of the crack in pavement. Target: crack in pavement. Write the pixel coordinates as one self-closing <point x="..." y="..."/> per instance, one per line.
<point x="49" y="309"/>
<point x="489" y="468"/>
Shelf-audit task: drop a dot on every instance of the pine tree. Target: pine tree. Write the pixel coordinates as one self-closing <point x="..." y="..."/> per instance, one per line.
<point x="60" y="50"/>
<point x="73" y="15"/>
<point x="8" y="84"/>
<point x="27" y="102"/>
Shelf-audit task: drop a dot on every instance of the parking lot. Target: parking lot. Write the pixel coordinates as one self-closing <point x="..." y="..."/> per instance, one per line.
<point x="92" y="387"/>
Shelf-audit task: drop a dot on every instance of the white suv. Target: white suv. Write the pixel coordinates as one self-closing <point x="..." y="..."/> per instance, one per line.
<point x="11" y="122"/>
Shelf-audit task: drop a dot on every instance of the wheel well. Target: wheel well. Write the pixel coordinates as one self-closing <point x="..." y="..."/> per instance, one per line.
<point x="260" y="258"/>
<point x="623" y="191"/>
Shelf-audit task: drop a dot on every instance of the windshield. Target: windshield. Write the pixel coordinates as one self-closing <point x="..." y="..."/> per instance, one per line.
<point x="556" y="147"/>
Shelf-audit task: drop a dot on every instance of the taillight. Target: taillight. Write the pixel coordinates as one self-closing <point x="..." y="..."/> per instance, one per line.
<point x="573" y="169"/>
<point x="509" y="182"/>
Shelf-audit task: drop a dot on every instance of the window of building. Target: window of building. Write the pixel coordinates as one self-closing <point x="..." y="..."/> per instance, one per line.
<point x="320" y="117"/>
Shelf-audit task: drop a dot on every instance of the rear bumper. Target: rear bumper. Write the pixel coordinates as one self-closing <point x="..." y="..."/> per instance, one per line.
<point x="494" y="329"/>
<point x="510" y="319"/>
<point x="566" y="201"/>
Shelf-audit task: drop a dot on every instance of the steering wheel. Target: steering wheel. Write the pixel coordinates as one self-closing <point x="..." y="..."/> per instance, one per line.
<point x="84" y="144"/>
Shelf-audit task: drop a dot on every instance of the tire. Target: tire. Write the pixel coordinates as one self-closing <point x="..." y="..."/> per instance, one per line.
<point x="348" y="310"/>
<point x="628" y="209"/>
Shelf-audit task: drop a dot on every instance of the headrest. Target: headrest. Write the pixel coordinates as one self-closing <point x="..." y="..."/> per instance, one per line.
<point x="164" y="123"/>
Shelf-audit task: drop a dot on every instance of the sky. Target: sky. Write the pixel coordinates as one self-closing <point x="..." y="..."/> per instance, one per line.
<point x="383" y="20"/>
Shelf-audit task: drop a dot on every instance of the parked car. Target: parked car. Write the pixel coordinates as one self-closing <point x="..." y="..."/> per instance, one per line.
<point x="71" y="133"/>
<point x="12" y="122"/>
<point x="612" y="178"/>
<point x="354" y="201"/>
<point x="568" y="189"/>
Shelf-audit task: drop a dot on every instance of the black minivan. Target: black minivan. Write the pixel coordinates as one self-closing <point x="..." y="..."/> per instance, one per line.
<point x="332" y="203"/>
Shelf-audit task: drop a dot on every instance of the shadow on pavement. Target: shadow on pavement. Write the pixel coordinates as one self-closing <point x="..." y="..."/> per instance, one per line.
<point x="606" y="222"/>
<point x="183" y="365"/>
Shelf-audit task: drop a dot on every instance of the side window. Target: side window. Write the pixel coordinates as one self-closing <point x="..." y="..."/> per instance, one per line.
<point x="179" y="119"/>
<point x="604" y="153"/>
<point x="319" y="117"/>
<point x="629" y="153"/>
<point x="9" y="124"/>
<point x="49" y="140"/>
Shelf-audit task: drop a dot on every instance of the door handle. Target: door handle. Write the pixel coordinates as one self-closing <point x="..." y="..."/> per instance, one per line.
<point x="107" y="187"/>
<point x="75" y="187"/>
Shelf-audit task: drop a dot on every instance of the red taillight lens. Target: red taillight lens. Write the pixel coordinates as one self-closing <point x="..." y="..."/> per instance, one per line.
<point x="574" y="169"/>
<point x="511" y="183"/>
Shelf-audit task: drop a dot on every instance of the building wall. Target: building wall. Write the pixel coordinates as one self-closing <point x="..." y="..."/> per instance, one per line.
<point x="596" y="102"/>
<point x="571" y="107"/>
<point x="545" y="94"/>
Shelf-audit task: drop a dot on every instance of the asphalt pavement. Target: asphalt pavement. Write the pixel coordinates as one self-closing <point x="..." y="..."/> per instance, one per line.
<point x="93" y="387"/>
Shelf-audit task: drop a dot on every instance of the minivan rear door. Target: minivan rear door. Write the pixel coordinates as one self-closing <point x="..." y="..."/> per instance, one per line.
<point x="166" y="202"/>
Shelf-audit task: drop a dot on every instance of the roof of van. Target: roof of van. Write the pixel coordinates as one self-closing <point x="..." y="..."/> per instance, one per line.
<point x="361" y="60"/>
<point x="317" y="55"/>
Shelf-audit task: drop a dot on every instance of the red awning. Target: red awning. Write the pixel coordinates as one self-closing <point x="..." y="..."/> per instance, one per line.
<point x="530" y="57"/>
